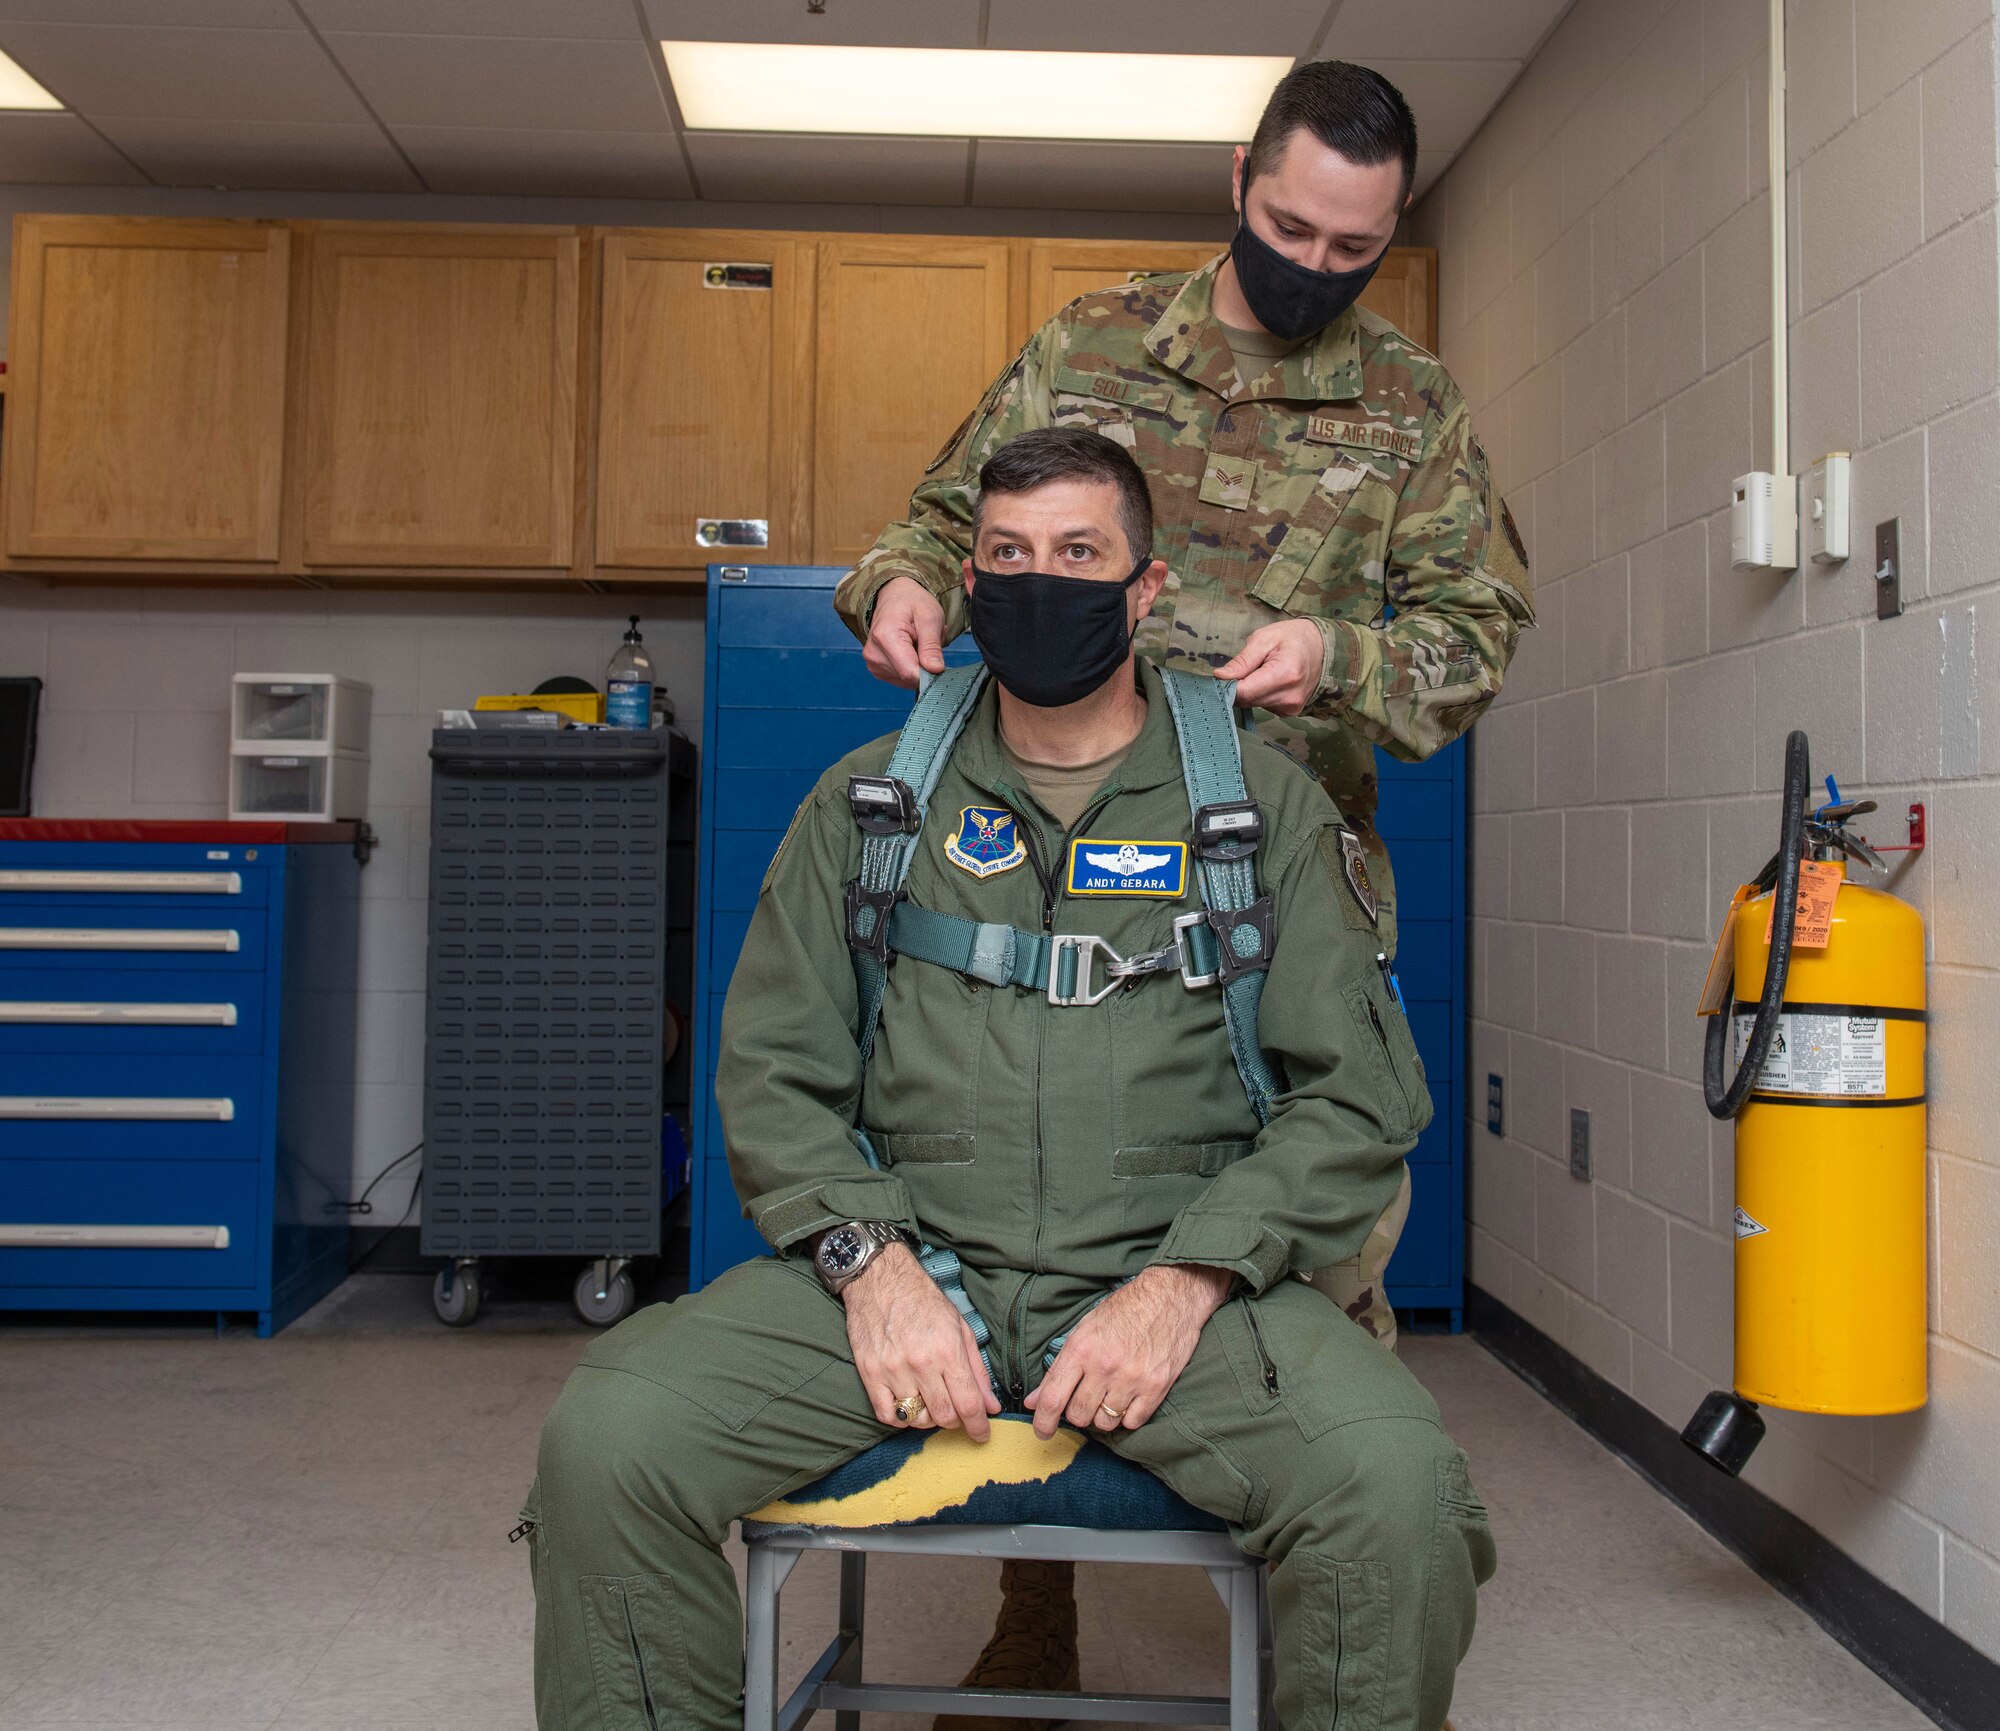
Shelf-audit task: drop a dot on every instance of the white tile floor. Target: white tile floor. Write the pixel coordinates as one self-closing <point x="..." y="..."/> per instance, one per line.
<point x="309" y="1534"/>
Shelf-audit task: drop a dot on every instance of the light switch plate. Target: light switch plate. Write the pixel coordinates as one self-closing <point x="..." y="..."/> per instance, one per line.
<point x="1889" y="568"/>
<point x="1825" y="509"/>
<point x="1579" y="1143"/>
<point x="1495" y="1120"/>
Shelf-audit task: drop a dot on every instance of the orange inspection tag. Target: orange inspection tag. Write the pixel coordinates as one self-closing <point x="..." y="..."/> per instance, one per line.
<point x="1812" y="925"/>
<point x="1715" y="989"/>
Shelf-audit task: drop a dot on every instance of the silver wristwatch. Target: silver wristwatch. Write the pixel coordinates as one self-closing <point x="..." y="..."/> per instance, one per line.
<point x="844" y="1251"/>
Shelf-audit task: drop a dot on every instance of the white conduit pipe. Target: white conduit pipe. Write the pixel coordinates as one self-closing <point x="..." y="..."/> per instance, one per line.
<point x="1781" y="431"/>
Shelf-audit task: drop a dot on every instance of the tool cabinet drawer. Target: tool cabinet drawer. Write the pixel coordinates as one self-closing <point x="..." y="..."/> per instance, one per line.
<point x="113" y="934"/>
<point x="114" y="1013"/>
<point x="39" y="888"/>
<point x="142" y="1107"/>
<point x="116" y="1207"/>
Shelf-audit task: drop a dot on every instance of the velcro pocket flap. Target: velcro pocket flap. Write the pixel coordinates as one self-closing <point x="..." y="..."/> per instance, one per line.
<point x="1178" y="1159"/>
<point x="900" y="1147"/>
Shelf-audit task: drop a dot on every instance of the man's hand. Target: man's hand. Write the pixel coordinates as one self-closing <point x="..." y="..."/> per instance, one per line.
<point x="1127" y="1351"/>
<point x="908" y="1338"/>
<point x="1278" y="668"/>
<point x="905" y="633"/>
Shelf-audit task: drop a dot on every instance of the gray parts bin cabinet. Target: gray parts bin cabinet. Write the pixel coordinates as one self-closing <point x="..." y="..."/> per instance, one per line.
<point x="787" y="693"/>
<point x="550" y="916"/>
<point x="176" y="1064"/>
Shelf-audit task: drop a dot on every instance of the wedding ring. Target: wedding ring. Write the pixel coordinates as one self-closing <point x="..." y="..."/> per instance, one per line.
<point x="1116" y="1412"/>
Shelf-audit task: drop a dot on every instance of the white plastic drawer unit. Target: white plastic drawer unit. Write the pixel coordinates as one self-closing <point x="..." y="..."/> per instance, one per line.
<point x="176" y="1063"/>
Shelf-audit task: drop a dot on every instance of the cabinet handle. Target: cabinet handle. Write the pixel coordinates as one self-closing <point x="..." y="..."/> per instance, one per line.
<point x="109" y="1107"/>
<point x="113" y="938"/>
<point x="157" y="883"/>
<point x="121" y="1015"/>
<point x="113" y="1237"/>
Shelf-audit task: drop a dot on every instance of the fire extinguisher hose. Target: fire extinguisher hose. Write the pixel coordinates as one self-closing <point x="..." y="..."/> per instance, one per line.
<point x="1781" y="876"/>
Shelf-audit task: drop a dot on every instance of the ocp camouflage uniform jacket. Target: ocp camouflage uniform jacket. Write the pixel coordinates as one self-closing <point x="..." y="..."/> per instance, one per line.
<point x="1343" y="485"/>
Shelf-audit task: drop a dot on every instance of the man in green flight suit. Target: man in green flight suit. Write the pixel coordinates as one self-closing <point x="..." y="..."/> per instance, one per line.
<point x="1099" y="1169"/>
<point x="1331" y="533"/>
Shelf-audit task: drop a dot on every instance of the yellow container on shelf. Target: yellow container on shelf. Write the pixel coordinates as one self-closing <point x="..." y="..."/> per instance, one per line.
<point x="577" y="705"/>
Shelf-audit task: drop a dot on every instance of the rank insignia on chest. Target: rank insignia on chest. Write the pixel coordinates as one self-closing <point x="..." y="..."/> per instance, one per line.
<point x="1127" y="868"/>
<point x="1354" y="865"/>
<point x="986" y="842"/>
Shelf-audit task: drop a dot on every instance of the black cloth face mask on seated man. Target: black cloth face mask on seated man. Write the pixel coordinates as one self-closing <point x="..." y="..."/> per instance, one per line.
<point x="1051" y="640"/>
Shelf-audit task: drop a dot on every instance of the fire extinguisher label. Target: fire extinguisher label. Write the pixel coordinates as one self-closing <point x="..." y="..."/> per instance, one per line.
<point x="1842" y="1055"/>
<point x="1748" y="1225"/>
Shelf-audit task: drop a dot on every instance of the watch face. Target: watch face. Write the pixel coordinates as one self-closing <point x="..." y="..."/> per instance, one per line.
<point x="840" y="1250"/>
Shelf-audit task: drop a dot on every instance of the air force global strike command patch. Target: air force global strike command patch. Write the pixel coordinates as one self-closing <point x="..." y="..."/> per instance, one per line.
<point x="1127" y="868"/>
<point x="986" y="842"/>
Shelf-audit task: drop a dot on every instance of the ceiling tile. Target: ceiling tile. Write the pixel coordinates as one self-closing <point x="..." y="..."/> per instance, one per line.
<point x="766" y="167"/>
<point x="605" y="20"/>
<point x="147" y="73"/>
<point x="500" y="83"/>
<point x="54" y="148"/>
<point x="1449" y="97"/>
<point x="512" y="162"/>
<point x="1037" y="174"/>
<point x="1441" y="29"/>
<point x="295" y="156"/>
<point x="167" y="14"/>
<point x="869" y="23"/>
<point x="1157" y="26"/>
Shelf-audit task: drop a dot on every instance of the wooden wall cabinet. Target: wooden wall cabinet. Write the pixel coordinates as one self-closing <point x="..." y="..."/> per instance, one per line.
<point x="704" y="398"/>
<point x="147" y="389"/>
<point x="911" y="331"/>
<point x="1405" y="292"/>
<point x="1060" y="270"/>
<point x="440" y="396"/>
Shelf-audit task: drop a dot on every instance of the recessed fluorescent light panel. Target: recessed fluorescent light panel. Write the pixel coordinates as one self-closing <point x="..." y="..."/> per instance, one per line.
<point x="970" y="92"/>
<point x="18" y="90"/>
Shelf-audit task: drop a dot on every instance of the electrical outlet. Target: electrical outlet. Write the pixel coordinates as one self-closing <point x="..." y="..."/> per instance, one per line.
<point x="1889" y="568"/>
<point x="1579" y="1143"/>
<point x="1495" y="1119"/>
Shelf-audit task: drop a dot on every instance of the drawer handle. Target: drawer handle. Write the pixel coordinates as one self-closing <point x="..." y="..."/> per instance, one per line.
<point x="113" y="1237"/>
<point x="121" y="1015"/>
<point x="112" y="938"/>
<point x="116" y="1107"/>
<point x="182" y="883"/>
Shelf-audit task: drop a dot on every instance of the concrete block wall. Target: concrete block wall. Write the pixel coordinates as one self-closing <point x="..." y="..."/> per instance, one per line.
<point x="1604" y="282"/>
<point x="135" y="723"/>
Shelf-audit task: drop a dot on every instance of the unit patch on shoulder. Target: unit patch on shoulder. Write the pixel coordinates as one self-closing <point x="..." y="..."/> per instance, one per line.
<point x="1354" y="872"/>
<point x="1098" y="867"/>
<point x="986" y="842"/>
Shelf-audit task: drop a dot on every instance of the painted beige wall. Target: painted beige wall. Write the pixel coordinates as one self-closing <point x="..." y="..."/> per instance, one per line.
<point x="1605" y="293"/>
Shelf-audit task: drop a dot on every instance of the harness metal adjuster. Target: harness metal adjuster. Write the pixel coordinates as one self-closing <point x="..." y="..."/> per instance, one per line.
<point x="1084" y="947"/>
<point x="882" y="805"/>
<point x="1231" y="963"/>
<point x="1184" y="929"/>
<point x="1229" y="830"/>
<point x="868" y="914"/>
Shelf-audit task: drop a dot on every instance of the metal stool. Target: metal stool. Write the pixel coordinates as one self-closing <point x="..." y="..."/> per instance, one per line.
<point x="835" y="1679"/>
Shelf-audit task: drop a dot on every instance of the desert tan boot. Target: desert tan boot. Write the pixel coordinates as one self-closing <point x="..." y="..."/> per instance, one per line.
<point x="1033" y="1644"/>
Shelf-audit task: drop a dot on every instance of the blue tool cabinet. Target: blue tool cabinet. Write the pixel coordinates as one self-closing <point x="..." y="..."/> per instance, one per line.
<point x="787" y="694"/>
<point x="176" y="1065"/>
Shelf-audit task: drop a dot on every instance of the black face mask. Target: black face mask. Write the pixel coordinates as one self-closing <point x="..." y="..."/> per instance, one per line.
<point x="1290" y="301"/>
<point x="1051" y="640"/>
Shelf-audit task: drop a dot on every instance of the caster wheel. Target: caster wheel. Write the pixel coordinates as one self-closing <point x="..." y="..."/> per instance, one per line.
<point x="614" y="1306"/>
<point x="457" y="1309"/>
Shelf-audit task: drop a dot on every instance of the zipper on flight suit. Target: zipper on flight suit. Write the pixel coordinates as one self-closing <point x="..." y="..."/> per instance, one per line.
<point x="1263" y="1354"/>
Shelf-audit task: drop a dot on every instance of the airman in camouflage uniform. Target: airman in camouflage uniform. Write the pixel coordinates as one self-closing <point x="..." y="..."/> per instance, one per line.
<point x="1342" y="485"/>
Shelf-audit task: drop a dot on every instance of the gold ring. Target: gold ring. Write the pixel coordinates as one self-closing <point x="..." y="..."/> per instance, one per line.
<point x="1116" y="1412"/>
<point x="909" y="1409"/>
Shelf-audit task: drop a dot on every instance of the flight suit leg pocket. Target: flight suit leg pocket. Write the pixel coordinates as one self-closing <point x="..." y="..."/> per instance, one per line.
<point x="1463" y="1559"/>
<point x="1343" y="1639"/>
<point x="638" y="1654"/>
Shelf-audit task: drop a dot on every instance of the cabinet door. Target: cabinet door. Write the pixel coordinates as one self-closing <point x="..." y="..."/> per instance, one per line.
<point x="441" y="396"/>
<point x="1060" y="270"/>
<point x="703" y="393"/>
<point x="148" y="388"/>
<point x="912" y="329"/>
<point x="1404" y="291"/>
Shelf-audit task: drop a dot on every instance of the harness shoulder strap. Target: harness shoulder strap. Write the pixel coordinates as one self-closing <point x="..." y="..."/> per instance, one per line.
<point x="1228" y="825"/>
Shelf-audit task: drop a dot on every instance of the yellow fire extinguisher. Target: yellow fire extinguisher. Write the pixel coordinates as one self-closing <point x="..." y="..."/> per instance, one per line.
<point x="1825" y="1013"/>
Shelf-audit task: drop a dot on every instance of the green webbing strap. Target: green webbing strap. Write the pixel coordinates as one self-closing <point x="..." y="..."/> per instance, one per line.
<point x="944" y="703"/>
<point x="1070" y="968"/>
<point x="1212" y="765"/>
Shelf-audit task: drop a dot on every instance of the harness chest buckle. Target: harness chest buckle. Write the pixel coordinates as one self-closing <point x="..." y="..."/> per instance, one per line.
<point x="1073" y="954"/>
<point x="883" y="805"/>
<point x="1228" y="830"/>
<point x="868" y="914"/>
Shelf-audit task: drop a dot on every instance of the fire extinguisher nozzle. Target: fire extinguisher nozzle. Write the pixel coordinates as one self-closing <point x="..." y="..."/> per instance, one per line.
<point x="1725" y="1431"/>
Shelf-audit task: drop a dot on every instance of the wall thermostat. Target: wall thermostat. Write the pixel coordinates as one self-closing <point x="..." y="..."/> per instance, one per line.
<point x="1764" y="522"/>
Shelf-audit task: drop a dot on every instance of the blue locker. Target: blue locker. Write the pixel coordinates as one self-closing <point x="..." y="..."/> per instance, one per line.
<point x="176" y="1065"/>
<point x="787" y="693"/>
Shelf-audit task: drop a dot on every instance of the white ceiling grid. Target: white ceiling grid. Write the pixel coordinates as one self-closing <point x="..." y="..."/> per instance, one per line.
<point x="571" y="98"/>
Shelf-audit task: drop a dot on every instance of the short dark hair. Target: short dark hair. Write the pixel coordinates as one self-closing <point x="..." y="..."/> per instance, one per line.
<point x="1348" y="108"/>
<point x="1044" y="454"/>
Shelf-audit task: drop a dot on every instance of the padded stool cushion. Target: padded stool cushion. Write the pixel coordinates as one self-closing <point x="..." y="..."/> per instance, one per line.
<point x="942" y="1477"/>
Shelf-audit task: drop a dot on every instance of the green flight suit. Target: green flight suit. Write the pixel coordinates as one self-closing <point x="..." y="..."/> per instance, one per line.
<point x="1059" y="1150"/>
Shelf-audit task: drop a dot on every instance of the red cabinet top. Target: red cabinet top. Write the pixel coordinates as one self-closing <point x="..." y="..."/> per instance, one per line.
<point x="270" y="832"/>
